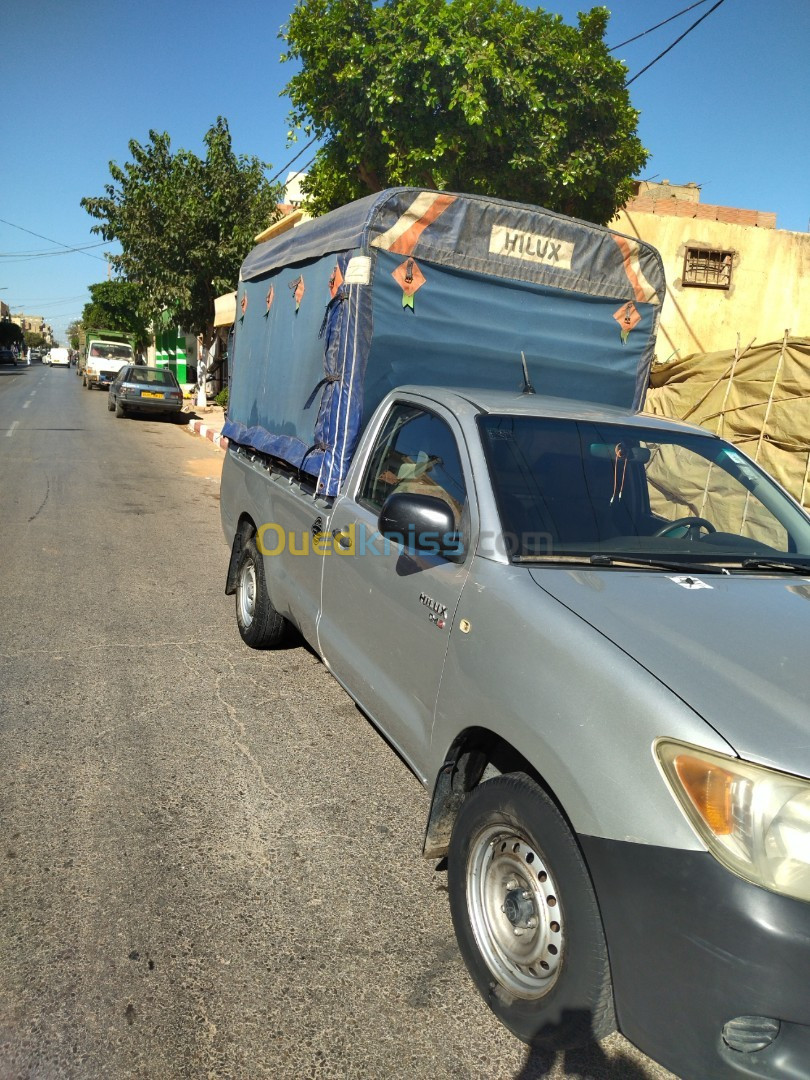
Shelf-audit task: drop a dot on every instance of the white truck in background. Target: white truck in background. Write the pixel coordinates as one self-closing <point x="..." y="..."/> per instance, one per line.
<point x="105" y="353"/>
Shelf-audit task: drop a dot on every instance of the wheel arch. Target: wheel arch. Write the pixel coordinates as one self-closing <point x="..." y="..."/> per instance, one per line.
<point x="475" y="755"/>
<point x="245" y="529"/>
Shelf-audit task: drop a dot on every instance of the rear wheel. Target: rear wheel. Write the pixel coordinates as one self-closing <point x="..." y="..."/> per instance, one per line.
<point x="119" y="410"/>
<point x="260" y="625"/>
<point x="526" y="916"/>
<point x="110" y="403"/>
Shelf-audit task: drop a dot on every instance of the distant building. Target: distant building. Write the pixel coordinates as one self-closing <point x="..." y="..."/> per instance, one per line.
<point x="293" y="195"/>
<point x="729" y="271"/>
<point x="35" y="323"/>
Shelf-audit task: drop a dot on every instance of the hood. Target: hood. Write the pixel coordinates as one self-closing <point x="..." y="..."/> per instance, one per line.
<point x="733" y="647"/>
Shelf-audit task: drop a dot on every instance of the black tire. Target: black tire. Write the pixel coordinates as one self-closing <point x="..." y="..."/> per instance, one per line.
<point x="514" y="865"/>
<point x="119" y="410"/>
<point x="110" y="404"/>
<point x="260" y="625"/>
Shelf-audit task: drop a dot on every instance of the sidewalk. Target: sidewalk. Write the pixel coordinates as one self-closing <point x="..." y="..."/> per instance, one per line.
<point x="207" y="423"/>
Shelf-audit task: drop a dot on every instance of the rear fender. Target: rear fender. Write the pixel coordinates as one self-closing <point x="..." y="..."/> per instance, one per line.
<point x="245" y="530"/>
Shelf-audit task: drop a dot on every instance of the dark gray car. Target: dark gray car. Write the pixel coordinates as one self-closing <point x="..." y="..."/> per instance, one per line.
<point x="145" y="389"/>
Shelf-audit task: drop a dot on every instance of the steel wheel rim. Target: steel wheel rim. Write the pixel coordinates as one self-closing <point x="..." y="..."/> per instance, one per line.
<point x="246" y="593"/>
<point x="515" y="912"/>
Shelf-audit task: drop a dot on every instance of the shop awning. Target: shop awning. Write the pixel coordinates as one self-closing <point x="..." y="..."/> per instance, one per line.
<point x="225" y="310"/>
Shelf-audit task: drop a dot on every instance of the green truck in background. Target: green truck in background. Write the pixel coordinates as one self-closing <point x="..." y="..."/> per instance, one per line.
<point x="102" y="354"/>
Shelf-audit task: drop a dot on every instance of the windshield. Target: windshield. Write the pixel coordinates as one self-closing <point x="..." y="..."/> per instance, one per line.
<point x="154" y="376"/>
<point x="110" y="351"/>
<point x="582" y="488"/>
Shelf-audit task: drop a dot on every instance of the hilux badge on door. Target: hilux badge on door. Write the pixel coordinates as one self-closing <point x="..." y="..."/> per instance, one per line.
<point x="438" y="612"/>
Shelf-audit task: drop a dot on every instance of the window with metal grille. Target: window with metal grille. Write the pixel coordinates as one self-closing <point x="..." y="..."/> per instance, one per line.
<point x="707" y="269"/>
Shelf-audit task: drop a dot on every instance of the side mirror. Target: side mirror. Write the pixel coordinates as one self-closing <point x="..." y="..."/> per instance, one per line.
<point x="420" y="523"/>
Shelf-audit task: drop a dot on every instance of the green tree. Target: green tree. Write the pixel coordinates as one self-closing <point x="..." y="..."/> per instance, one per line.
<point x="72" y="333"/>
<point x="117" y="305"/>
<point x="34" y="339"/>
<point x="464" y="95"/>
<point x="184" y="223"/>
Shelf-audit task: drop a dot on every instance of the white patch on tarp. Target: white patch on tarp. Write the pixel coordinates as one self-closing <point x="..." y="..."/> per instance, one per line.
<point x="358" y="271"/>
<point x="686" y="581"/>
<point x="532" y="247"/>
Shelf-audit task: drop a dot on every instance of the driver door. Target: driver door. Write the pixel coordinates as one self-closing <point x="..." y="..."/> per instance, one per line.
<point x="387" y="611"/>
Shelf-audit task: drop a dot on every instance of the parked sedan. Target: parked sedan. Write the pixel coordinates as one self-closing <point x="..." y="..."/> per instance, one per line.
<point x="144" y="389"/>
<point x="8" y="355"/>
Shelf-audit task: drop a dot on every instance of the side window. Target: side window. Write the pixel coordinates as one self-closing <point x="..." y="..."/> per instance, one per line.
<point x="415" y="452"/>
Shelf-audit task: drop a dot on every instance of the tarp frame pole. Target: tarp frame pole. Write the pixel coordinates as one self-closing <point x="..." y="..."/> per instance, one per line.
<point x="722" y="414"/>
<point x="765" y="418"/>
<point x="804" y="482"/>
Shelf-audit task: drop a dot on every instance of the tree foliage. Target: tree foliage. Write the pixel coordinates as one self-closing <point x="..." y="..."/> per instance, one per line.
<point x="117" y="305"/>
<point x="34" y="339"/>
<point x="72" y="332"/>
<point x="464" y="95"/>
<point x="184" y="223"/>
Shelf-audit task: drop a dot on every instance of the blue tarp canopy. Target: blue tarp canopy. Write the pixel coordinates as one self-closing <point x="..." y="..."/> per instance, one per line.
<point x="413" y="286"/>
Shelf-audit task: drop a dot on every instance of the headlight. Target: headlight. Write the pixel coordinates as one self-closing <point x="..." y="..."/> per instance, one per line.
<point x="755" y="820"/>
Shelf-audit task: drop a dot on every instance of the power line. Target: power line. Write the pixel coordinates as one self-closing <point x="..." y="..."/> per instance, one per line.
<point x="51" y="241"/>
<point x="297" y="156"/>
<point x="310" y="162"/>
<point x="657" y="26"/>
<point x="675" y="42"/>
<point x="48" y="254"/>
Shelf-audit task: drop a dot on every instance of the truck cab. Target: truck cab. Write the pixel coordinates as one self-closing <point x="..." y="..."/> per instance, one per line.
<point x="104" y="358"/>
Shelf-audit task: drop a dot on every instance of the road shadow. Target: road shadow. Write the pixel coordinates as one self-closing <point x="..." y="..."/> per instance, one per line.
<point x="589" y="1062"/>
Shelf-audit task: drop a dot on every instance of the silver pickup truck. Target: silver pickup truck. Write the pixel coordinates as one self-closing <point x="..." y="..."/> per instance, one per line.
<point x="585" y="630"/>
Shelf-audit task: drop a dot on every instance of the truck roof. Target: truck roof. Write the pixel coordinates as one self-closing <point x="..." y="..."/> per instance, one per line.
<point x="457" y="399"/>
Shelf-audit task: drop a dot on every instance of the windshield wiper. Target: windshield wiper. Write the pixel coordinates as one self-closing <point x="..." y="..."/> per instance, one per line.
<point x="622" y="560"/>
<point x="657" y="564"/>
<point x="802" y="568"/>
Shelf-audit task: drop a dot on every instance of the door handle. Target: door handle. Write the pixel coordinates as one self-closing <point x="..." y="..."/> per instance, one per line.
<point x="343" y="539"/>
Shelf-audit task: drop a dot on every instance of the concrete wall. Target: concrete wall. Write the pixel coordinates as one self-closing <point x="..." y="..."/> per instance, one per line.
<point x="770" y="283"/>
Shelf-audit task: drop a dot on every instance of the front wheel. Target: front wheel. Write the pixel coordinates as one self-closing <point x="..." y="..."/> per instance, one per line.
<point x="260" y="625"/>
<point x="526" y="916"/>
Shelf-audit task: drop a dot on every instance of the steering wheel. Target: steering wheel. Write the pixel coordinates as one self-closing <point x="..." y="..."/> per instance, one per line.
<point x="693" y="527"/>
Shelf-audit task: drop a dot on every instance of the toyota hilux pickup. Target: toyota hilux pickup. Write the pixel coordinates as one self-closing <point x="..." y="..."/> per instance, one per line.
<point x="582" y="627"/>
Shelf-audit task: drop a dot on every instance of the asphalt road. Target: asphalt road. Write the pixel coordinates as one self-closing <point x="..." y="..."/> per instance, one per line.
<point x="209" y="861"/>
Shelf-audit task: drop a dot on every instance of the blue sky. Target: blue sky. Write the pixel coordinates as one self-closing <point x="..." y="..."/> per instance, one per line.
<point x="727" y="108"/>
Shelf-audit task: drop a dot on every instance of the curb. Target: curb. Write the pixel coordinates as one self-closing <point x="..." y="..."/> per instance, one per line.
<point x="197" y="427"/>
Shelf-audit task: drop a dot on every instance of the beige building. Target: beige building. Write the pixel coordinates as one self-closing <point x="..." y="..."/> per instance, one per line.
<point x="36" y="323"/>
<point x="728" y="271"/>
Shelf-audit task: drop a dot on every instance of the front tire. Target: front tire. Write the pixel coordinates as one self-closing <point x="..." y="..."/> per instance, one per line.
<point x="526" y="916"/>
<point x="260" y="625"/>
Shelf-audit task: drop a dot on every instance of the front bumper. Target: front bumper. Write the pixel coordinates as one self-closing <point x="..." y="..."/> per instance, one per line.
<point x="692" y="947"/>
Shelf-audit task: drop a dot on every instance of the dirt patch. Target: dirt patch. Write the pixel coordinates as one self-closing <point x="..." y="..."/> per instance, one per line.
<point x="206" y="468"/>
